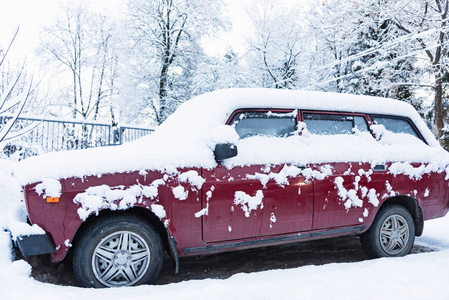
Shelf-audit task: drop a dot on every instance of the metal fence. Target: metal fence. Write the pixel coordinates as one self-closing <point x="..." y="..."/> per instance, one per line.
<point x="60" y="135"/>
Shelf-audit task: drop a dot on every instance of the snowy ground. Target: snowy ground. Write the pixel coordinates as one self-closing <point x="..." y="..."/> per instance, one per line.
<point x="417" y="276"/>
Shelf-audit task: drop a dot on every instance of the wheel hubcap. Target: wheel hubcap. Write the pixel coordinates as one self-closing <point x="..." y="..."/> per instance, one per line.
<point x="394" y="234"/>
<point x="120" y="259"/>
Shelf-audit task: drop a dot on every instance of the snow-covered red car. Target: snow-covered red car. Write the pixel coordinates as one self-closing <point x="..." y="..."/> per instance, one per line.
<point x="235" y="169"/>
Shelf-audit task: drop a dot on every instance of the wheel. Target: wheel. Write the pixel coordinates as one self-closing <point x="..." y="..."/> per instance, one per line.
<point x="118" y="251"/>
<point x="391" y="234"/>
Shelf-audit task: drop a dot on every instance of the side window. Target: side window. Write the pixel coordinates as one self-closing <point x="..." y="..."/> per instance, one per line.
<point x="396" y="125"/>
<point x="264" y="123"/>
<point x="329" y="124"/>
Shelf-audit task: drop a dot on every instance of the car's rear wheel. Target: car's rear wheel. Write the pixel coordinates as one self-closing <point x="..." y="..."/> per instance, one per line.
<point x="118" y="251"/>
<point x="391" y="234"/>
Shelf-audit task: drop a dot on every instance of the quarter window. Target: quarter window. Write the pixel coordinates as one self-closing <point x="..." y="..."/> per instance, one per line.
<point x="264" y="123"/>
<point x="396" y="125"/>
<point x="330" y="124"/>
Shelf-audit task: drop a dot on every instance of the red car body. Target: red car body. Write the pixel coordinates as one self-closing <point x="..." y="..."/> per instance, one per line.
<point x="303" y="219"/>
<point x="224" y="212"/>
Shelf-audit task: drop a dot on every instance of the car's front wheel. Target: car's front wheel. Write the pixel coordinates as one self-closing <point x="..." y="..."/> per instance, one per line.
<point x="391" y="234"/>
<point x="118" y="251"/>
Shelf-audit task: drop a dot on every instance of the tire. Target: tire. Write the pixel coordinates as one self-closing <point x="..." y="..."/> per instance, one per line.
<point x="118" y="251"/>
<point x="392" y="233"/>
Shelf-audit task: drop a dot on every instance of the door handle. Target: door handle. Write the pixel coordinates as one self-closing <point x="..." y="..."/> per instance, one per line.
<point x="379" y="168"/>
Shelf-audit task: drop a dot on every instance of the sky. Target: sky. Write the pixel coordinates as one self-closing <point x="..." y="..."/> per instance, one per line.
<point x="32" y="15"/>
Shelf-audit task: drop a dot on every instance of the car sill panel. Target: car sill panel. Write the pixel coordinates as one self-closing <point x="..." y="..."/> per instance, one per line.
<point x="216" y="248"/>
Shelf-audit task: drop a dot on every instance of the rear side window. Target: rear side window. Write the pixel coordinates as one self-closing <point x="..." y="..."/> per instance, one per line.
<point x="396" y="125"/>
<point x="330" y="124"/>
<point x="269" y="123"/>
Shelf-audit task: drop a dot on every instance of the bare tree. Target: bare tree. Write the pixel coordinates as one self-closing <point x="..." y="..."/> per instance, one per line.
<point x="14" y="95"/>
<point x="167" y="33"/>
<point x="82" y="43"/>
<point x="278" y="44"/>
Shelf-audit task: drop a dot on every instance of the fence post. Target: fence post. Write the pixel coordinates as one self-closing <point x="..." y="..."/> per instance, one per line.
<point x="115" y="135"/>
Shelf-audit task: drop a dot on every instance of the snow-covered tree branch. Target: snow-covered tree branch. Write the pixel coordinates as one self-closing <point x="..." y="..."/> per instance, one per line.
<point x="84" y="44"/>
<point x="167" y="35"/>
<point x="12" y="101"/>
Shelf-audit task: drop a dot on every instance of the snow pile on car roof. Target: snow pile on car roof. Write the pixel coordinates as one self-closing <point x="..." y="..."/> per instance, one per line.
<point x="186" y="139"/>
<point x="194" y="118"/>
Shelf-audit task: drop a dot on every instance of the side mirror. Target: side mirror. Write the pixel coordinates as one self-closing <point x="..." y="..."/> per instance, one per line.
<point x="224" y="151"/>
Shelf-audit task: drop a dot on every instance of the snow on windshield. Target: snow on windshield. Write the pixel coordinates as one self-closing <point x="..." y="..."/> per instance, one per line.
<point x="187" y="138"/>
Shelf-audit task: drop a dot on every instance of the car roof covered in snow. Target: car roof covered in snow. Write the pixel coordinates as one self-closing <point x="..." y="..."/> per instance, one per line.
<point x="205" y="111"/>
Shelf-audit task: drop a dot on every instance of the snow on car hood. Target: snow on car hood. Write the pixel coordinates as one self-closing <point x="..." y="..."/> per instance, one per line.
<point x="187" y="137"/>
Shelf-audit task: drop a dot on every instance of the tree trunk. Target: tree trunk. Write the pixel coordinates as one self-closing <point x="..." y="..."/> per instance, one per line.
<point x="75" y="100"/>
<point x="437" y="102"/>
<point x="163" y="85"/>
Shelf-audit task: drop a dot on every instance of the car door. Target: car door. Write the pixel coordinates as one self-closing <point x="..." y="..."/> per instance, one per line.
<point x="339" y="197"/>
<point x="428" y="188"/>
<point x="259" y="199"/>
